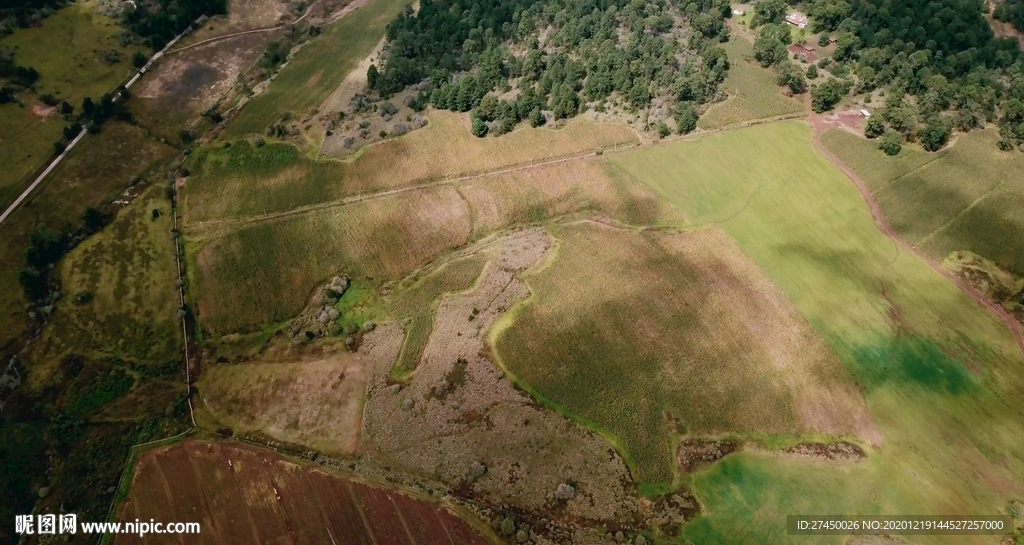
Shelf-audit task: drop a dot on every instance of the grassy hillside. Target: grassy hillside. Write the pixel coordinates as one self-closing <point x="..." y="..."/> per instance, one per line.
<point x="937" y="371"/>
<point x="753" y="93"/>
<point x="244" y="180"/>
<point x="652" y="334"/>
<point x="969" y="196"/>
<point x="317" y="70"/>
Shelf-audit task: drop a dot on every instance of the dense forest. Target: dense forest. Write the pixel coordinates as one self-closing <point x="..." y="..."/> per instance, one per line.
<point x="938" y="61"/>
<point x="1011" y="11"/>
<point x="508" y="61"/>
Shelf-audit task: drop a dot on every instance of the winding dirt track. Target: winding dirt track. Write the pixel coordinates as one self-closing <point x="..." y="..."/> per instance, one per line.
<point x="820" y="124"/>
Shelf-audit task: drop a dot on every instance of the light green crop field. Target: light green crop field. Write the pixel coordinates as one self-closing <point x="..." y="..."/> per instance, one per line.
<point x="969" y="196"/>
<point x="753" y="93"/>
<point x="69" y="49"/>
<point x="129" y="273"/>
<point x="317" y="70"/>
<point x="941" y="377"/>
<point x="636" y="330"/>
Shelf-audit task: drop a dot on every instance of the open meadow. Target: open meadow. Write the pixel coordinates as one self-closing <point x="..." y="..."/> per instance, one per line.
<point x="654" y="334"/>
<point x="242" y="494"/>
<point x="262" y="272"/>
<point x="245" y="180"/>
<point x="307" y="80"/>
<point x="752" y="91"/>
<point x="938" y="373"/>
<point x="93" y="174"/>
<point x="77" y="55"/>
<point x="968" y="196"/>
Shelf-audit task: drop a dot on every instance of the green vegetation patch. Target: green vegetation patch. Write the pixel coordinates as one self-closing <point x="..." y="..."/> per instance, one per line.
<point x="102" y="389"/>
<point x="752" y="91"/>
<point x="938" y="372"/>
<point x="649" y="335"/>
<point x="969" y="196"/>
<point x="307" y="80"/>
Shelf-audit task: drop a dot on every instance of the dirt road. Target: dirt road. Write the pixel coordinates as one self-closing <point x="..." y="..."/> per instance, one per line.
<point x="821" y="123"/>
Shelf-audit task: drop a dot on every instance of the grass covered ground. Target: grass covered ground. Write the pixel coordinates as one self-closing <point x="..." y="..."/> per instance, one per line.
<point x="969" y="196"/>
<point x="652" y="334"/>
<point x="307" y="81"/>
<point x="259" y="273"/>
<point x="128" y="273"/>
<point x="941" y="377"/>
<point x="244" y="180"/>
<point x="72" y="50"/>
<point x="95" y="173"/>
<point x="753" y="93"/>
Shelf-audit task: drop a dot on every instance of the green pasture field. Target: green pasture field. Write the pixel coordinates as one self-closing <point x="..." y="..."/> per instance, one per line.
<point x="129" y="275"/>
<point x="753" y="93"/>
<point x="941" y="376"/>
<point x="93" y="174"/>
<point x="317" y="70"/>
<point x="69" y="50"/>
<point x="636" y="330"/>
<point x="969" y="196"/>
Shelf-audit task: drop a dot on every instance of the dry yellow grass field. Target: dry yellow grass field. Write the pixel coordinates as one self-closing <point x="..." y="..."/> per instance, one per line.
<point x="314" y="403"/>
<point x="260" y="273"/>
<point x="244" y="180"/>
<point x="634" y="331"/>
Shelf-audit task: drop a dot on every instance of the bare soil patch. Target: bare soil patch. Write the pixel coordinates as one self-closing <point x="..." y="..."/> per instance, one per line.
<point x="244" y="495"/>
<point x="695" y="453"/>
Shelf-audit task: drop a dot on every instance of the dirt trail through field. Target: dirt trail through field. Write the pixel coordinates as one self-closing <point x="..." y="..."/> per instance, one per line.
<point x="821" y="123"/>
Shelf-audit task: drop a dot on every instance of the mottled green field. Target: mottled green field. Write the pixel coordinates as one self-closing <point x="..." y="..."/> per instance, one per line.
<point x="940" y="376"/>
<point x="753" y="93"/>
<point x="969" y="196"/>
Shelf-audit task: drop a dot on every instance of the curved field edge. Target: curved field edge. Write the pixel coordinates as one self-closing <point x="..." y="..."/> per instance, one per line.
<point x="246" y="457"/>
<point x="936" y="369"/>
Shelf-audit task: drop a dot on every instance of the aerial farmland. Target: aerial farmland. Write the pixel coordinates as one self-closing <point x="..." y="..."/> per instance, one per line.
<point x="545" y="272"/>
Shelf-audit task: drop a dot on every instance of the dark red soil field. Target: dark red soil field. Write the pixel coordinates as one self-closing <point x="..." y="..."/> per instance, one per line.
<point x="245" y="495"/>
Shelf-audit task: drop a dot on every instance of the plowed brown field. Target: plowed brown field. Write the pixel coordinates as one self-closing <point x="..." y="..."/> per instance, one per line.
<point x="245" y="495"/>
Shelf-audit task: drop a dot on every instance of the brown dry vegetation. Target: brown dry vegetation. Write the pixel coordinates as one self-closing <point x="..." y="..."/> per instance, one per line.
<point x="248" y="181"/>
<point x="626" y="327"/>
<point x="317" y="403"/>
<point x="263" y="272"/>
<point x="184" y="84"/>
<point x="458" y="409"/>
<point x="244" y="495"/>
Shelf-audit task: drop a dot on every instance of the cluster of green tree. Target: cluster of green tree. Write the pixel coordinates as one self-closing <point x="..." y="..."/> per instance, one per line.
<point x="25" y="13"/>
<point x="158" y="24"/>
<point x="47" y="246"/>
<point x="943" y="53"/>
<point x="1011" y="11"/>
<point x="592" y="51"/>
<point x="13" y="77"/>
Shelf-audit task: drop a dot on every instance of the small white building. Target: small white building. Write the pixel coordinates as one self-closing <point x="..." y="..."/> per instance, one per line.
<point x="865" y="113"/>
<point x="738" y="12"/>
<point x="797" y="19"/>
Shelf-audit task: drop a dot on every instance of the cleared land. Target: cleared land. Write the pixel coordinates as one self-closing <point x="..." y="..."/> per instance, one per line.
<point x="245" y="495"/>
<point x="317" y="403"/>
<point x="263" y="272"/>
<point x="77" y="55"/>
<point x="969" y="196"/>
<point x="244" y="180"/>
<point x="306" y="81"/>
<point x="753" y="93"/>
<point x="937" y="371"/>
<point x="637" y="331"/>
<point x="95" y="173"/>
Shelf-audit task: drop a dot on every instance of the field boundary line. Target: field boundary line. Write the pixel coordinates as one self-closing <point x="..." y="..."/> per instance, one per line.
<point x="819" y="125"/>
